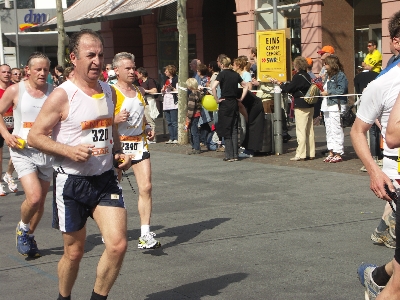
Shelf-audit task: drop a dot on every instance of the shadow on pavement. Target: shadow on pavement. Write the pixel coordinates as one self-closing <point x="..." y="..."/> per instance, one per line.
<point x="198" y="290"/>
<point x="184" y="234"/>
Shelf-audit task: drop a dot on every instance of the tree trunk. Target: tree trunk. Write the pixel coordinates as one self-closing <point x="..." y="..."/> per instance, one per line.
<point x="61" y="34"/>
<point x="183" y="70"/>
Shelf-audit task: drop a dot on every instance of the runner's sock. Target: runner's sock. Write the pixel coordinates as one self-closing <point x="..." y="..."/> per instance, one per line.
<point x="144" y="229"/>
<point x="96" y="296"/>
<point x="382" y="226"/>
<point x="23" y="226"/>
<point x="380" y="276"/>
<point x="63" y="298"/>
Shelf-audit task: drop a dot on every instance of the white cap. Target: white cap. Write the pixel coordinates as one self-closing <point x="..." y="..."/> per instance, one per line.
<point x="111" y="73"/>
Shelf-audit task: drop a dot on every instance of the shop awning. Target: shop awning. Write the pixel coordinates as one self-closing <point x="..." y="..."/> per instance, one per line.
<point x="91" y="11"/>
<point x="35" y="39"/>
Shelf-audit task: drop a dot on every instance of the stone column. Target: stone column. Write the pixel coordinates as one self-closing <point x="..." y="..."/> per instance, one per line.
<point x="311" y="30"/>
<point x="108" y="36"/>
<point x="245" y="18"/>
<point x="149" y="35"/>
<point x="389" y="7"/>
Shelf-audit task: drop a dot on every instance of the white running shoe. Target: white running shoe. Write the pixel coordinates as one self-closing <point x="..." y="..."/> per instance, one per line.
<point x="148" y="241"/>
<point x="2" y="192"/>
<point x="12" y="186"/>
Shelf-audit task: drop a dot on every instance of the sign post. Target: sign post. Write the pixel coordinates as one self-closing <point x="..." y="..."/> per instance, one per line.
<point x="271" y="59"/>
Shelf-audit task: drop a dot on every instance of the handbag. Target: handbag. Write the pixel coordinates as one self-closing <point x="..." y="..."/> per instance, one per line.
<point x="313" y="91"/>
<point x="347" y="117"/>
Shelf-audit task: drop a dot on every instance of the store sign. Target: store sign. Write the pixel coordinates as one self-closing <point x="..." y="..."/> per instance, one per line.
<point x="271" y="55"/>
<point x="33" y="19"/>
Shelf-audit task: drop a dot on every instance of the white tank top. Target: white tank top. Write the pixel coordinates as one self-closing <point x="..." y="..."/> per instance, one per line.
<point x="89" y="121"/>
<point x="27" y="109"/>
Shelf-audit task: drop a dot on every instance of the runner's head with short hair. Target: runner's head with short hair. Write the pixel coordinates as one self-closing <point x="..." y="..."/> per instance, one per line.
<point x="76" y="38"/>
<point x="38" y="68"/>
<point x="36" y="55"/>
<point x="121" y="56"/>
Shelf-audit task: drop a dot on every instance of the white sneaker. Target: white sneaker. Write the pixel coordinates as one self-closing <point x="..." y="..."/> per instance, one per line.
<point x="148" y="241"/>
<point x="2" y="192"/>
<point x="174" y="142"/>
<point x="12" y="186"/>
<point x="169" y="142"/>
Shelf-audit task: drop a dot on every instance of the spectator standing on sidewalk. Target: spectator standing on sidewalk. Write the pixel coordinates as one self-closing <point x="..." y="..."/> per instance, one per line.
<point x="193" y="114"/>
<point x="205" y="117"/>
<point x="325" y="52"/>
<point x="335" y="84"/>
<point x="228" y="107"/>
<point x="304" y="112"/>
<point x="373" y="60"/>
<point x="150" y="111"/>
<point x="170" y="103"/>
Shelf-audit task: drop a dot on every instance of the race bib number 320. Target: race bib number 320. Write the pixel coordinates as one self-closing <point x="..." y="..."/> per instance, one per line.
<point x="98" y="133"/>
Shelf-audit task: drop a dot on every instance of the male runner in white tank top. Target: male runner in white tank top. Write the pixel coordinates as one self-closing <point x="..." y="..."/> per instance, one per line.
<point x="80" y="115"/>
<point x="34" y="168"/>
<point x="134" y="131"/>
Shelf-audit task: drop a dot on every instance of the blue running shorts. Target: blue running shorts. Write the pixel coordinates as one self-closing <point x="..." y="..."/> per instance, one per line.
<point x="75" y="197"/>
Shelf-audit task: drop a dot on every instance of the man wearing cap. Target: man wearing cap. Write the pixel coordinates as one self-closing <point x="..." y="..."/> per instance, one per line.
<point x="325" y="52"/>
<point x="373" y="60"/>
<point x="309" y="67"/>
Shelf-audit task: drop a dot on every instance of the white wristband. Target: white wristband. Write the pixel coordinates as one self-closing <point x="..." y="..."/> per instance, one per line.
<point x="148" y="126"/>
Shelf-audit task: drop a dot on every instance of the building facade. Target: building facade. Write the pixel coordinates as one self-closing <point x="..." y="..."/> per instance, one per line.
<point x="230" y="26"/>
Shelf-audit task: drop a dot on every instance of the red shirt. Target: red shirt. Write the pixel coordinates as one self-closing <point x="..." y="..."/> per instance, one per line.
<point x="9" y="112"/>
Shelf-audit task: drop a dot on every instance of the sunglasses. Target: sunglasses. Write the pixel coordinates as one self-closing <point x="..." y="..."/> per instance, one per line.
<point x="17" y="74"/>
<point x="370" y="46"/>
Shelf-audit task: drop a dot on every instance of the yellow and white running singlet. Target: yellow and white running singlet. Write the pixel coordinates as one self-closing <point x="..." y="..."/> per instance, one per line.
<point x="132" y="131"/>
<point x="89" y="121"/>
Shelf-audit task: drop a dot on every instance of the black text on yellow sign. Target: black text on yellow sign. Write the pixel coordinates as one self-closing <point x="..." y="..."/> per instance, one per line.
<point x="271" y="49"/>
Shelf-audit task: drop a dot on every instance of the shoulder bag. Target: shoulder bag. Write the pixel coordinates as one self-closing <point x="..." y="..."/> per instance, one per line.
<point x="347" y="117"/>
<point x="313" y="91"/>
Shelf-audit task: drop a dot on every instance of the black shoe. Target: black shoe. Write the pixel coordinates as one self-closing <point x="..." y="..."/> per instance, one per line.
<point x="228" y="159"/>
<point x="286" y="138"/>
<point x="194" y="152"/>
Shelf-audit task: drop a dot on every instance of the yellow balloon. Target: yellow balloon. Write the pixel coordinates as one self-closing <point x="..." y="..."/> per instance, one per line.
<point x="209" y="103"/>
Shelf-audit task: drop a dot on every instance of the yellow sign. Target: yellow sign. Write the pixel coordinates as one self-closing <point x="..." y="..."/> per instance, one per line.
<point x="271" y="55"/>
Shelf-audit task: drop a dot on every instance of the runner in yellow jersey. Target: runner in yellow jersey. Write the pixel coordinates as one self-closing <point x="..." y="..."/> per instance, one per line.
<point x="134" y="131"/>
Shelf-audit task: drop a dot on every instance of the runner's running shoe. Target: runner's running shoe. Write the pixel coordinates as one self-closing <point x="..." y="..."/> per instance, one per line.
<point x="383" y="238"/>
<point x="147" y="241"/>
<point x="391" y="222"/>
<point x="2" y="192"/>
<point x="23" y="241"/>
<point x="34" y="252"/>
<point x="12" y="186"/>
<point x="364" y="272"/>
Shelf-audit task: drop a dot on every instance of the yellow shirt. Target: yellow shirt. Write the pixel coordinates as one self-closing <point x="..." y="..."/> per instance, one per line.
<point x="374" y="60"/>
